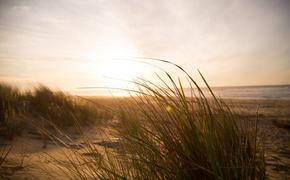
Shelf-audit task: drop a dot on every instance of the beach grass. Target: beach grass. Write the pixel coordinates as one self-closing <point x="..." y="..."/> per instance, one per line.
<point x="41" y="105"/>
<point x="11" y="108"/>
<point x="164" y="134"/>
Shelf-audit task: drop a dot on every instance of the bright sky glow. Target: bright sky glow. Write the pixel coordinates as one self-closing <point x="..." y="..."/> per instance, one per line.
<point x="71" y="43"/>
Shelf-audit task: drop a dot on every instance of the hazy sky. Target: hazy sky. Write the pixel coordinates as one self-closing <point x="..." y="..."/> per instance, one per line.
<point x="68" y="43"/>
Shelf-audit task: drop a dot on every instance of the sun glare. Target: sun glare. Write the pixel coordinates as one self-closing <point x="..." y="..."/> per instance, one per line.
<point x="117" y="66"/>
<point x="121" y="69"/>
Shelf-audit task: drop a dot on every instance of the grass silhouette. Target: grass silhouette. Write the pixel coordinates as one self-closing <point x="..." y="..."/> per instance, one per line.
<point x="18" y="108"/>
<point x="165" y="134"/>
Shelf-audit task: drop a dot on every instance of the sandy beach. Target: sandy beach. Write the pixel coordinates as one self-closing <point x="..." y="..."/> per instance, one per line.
<point x="274" y="131"/>
<point x="31" y="151"/>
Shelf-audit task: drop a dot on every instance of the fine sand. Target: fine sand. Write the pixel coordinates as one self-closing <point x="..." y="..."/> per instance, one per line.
<point x="274" y="131"/>
<point x="31" y="153"/>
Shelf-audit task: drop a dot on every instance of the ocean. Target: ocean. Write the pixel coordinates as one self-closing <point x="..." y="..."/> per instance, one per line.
<point x="279" y="92"/>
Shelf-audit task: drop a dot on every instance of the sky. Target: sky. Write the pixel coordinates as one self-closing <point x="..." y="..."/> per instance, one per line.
<point x="72" y="43"/>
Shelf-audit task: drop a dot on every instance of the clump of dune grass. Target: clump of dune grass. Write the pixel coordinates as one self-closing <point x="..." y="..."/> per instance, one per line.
<point x="12" y="106"/>
<point x="166" y="134"/>
<point x="62" y="109"/>
<point x="46" y="106"/>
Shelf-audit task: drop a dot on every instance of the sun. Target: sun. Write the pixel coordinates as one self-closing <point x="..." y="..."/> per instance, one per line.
<point x="121" y="69"/>
<point x="118" y="65"/>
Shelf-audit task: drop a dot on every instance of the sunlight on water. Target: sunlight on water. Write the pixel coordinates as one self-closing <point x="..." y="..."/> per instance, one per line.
<point x="254" y="92"/>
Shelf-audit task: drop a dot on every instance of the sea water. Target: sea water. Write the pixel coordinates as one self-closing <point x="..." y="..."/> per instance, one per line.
<point x="279" y="92"/>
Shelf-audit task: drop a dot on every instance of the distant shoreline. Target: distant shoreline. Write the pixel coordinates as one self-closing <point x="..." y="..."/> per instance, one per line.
<point x="250" y="86"/>
<point x="270" y="92"/>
